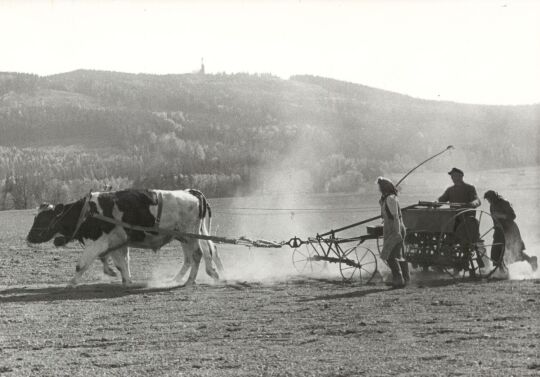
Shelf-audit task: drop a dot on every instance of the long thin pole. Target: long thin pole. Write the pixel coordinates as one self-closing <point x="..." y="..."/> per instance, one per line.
<point x="359" y="223"/>
<point x="423" y="162"/>
<point x="401" y="180"/>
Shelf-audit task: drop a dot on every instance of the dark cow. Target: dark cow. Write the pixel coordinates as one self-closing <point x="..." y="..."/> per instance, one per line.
<point x="184" y="211"/>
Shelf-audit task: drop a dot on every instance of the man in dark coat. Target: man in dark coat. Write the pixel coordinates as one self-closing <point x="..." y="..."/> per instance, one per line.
<point x="460" y="194"/>
<point x="463" y="195"/>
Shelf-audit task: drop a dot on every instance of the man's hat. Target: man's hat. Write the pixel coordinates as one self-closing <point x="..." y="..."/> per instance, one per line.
<point x="456" y="170"/>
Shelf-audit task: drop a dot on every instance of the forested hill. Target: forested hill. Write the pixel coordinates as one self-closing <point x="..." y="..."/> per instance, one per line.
<point x="227" y="134"/>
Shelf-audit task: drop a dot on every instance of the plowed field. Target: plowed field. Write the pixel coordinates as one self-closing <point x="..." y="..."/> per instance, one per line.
<point x="265" y="320"/>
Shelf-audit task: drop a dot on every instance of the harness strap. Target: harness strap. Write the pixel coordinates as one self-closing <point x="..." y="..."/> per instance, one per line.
<point x="168" y="232"/>
<point x="159" y="210"/>
<point x="111" y="249"/>
<point x="175" y="233"/>
<point x="82" y="216"/>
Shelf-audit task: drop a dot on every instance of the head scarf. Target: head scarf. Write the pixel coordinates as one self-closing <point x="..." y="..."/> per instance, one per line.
<point x="387" y="187"/>
<point x="492" y="195"/>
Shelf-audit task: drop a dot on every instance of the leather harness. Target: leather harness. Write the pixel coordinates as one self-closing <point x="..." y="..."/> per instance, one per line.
<point x="85" y="213"/>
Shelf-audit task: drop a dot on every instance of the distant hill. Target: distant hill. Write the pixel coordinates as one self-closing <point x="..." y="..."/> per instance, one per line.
<point x="227" y="134"/>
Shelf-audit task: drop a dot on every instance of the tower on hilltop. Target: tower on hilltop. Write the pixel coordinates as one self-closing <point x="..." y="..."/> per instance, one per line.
<point x="202" y="67"/>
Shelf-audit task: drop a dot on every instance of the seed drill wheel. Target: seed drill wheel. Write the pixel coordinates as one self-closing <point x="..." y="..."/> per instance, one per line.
<point x="358" y="263"/>
<point x="482" y="239"/>
<point x="490" y="247"/>
<point x="305" y="259"/>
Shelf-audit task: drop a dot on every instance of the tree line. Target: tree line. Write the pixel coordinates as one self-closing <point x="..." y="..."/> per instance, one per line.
<point x="63" y="135"/>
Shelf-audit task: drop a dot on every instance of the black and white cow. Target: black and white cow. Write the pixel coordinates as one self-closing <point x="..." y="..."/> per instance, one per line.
<point x="185" y="211"/>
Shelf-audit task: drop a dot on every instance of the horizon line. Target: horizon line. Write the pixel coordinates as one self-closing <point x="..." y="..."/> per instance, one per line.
<point x="215" y="73"/>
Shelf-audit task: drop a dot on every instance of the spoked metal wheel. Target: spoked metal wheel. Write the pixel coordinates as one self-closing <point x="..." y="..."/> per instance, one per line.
<point x="358" y="263"/>
<point x="483" y="242"/>
<point x="489" y="250"/>
<point x="454" y="253"/>
<point x="305" y="260"/>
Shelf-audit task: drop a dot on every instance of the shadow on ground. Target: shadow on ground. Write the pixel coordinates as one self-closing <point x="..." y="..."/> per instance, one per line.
<point x="82" y="292"/>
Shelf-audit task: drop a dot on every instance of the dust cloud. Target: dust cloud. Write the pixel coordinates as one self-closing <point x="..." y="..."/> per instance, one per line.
<point x="522" y="270"/>
<point x="281" y="210"/>
<point x="258" y="265"/>
<point x="162" y="275"/>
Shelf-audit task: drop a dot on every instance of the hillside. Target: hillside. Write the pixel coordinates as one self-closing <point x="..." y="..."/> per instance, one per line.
<point x="226" y="134"/>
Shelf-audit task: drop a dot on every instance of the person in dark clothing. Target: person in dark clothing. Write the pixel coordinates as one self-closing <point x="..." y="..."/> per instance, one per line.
<point x="501" y="210"/>
<point x="393" y="233"/>
<point x="461" y="194"/>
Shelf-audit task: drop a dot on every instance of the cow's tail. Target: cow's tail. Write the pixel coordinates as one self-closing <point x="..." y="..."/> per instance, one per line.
<point x="205" y="214"/>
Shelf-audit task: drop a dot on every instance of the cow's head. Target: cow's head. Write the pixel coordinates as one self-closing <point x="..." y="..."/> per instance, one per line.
<point x="46" y="223"/>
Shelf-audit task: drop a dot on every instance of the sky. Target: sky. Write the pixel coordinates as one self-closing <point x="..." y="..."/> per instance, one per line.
<point x="465" y="51"/>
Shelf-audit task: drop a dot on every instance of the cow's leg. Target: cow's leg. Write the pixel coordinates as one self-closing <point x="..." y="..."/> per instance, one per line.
<point x="191" y="249"/>
<point x="206" y="253"/>
<point x="107" y="270"/>
<point x="188" y="261"/>
<point x="90" y="253"/>
<point x="121" y="261"/>
<point x="95" y="249"/>
<point x="195" y="266"/>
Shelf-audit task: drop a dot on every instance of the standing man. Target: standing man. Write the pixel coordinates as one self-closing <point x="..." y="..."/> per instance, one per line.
<point x="461" y="194"/>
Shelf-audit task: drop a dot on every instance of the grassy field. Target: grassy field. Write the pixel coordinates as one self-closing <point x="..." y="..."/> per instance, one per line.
<point x="267" y="320"/>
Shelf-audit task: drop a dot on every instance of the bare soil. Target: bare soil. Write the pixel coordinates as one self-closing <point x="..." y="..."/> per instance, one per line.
<point x="298" y="326"/>
<point x="266" y="320"/>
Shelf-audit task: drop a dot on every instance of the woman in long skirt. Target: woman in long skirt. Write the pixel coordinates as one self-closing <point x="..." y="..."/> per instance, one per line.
<point x="502" y="211"/>
<point x="393" y="233"/>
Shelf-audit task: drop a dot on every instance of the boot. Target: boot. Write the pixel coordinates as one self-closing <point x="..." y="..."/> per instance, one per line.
<point x="397" y="277"/>
<point x="398" y="282"/>
<point x="405" y="272"/>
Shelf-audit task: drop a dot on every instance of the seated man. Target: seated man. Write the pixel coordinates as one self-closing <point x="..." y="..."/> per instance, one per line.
<point x="466" y="227"/>
<point x="461" y="194"/>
